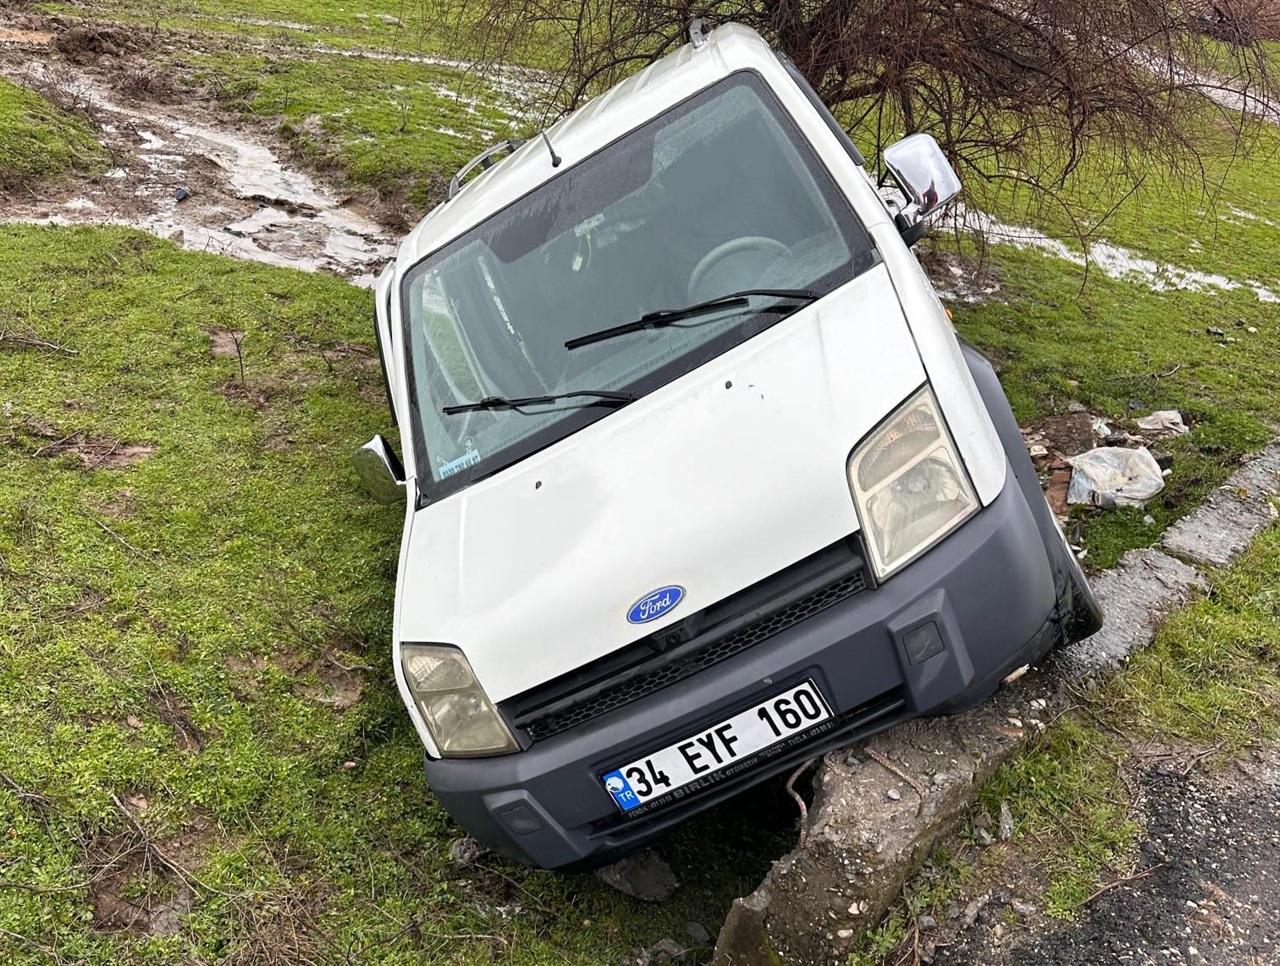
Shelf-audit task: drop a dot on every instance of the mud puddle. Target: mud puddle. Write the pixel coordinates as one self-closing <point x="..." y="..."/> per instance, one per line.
<point x="178" y="173"/>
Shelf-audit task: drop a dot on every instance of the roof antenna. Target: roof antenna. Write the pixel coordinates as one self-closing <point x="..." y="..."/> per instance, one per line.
<point x="555" y="158"/>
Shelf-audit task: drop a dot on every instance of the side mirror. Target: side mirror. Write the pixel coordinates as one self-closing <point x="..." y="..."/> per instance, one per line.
<point x="380" y="471"/>
<point x="925" y="176"/>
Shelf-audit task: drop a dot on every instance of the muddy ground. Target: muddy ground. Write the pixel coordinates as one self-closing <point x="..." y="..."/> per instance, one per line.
<point x="179" y="169"/>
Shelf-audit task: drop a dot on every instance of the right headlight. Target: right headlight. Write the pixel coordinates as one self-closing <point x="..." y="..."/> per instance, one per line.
<point x="459" y="715"/>
<point x="909" y="484"/>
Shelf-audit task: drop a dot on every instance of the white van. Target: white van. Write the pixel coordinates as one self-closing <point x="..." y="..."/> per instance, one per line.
<point x="698" y="481"/>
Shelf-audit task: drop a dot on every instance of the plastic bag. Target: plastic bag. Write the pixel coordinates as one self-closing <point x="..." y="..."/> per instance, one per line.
<point x="1114" y="476"/>
<point x="1164" y="421"/>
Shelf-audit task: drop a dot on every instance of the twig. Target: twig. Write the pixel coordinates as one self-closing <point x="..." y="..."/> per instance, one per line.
<point x="121" y="540"/>
<point x="56" y="444"/>
<point x="46" y="950"/>
<point x="1196" y="759"/>
<point x="32" y="798"/>
<point x="1127" y="879"/>
<point x="32" y="342"/>
<point x="886" y="763"/>
<point x="804" y="809"/>
<point x="187" y="877"/>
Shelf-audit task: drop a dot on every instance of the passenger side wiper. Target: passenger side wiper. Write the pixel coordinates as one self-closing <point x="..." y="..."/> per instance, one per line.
<point x="599" y="397"/>
<point x="662" y="317"/>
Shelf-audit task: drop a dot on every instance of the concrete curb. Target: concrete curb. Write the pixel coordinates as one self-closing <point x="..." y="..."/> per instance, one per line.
<point x="869" y="827"/>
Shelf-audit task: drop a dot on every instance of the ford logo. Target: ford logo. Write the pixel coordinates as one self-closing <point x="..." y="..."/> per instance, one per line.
<point x="653" y="605"/>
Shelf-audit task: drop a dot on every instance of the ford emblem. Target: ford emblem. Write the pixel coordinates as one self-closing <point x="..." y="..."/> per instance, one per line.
<point x="653" y="605"/>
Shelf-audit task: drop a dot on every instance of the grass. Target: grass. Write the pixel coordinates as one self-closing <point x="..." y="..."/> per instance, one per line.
<point x="392" y="126"/>
<point x="195" y="608"/>
<point x="40" y="141"/>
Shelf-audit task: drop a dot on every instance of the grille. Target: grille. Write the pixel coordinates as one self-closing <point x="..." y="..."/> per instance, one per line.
<point x="715" y="650"/>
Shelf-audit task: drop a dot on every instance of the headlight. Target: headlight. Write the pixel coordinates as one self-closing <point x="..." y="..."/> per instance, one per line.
<point x="462" y="720"/>
<point x="908" y="484"/>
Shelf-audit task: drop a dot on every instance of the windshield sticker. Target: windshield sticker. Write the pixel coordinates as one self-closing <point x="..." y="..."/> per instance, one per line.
<point x="470" y="458"/>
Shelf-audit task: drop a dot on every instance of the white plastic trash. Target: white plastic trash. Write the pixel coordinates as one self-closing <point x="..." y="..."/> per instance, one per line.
<point x="1164" y="421"/>
<point x="1114" y="476"/>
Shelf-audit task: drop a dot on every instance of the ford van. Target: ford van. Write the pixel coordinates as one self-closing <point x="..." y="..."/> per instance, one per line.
<point x="698" y="480"/>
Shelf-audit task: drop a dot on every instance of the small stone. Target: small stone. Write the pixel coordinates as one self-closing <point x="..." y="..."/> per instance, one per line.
<point x="181" y="194"/>
<point x="1016" y="722"/>
<point x="844" y="933"/>
<point x="348" y="765"/>
<point x="1037" y="451"/>
<point x="1191" y="905"/>
<point x="1076" y="407"/>
<point x="1149" y="519"/>
<point x="893" y="794"/>
<point x="133" y="722"/>
<point x="941" y="778"/>
<point x="668" y="950"/>
<point x="1006" y="822"/>
<point x="1023" y="908"/>
<point x="857" y="908"/>
<point x="926" y="923"/>
<point x="1212" y="331"/>
<point x="982" y="819"/>
<point x="388" y="19"/>
<point x="998" y="932"/>
<point x="1252" y="330"/>
<point x="466" y="851"/>
<point x="697" y="932"/>
<point x="1039" y="704"/>
<point x="643" y="875"/>
<point x="984" y="838"/>
<point x="177" y="237"/>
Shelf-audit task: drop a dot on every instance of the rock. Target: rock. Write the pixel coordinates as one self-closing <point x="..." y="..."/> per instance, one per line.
<point x="644" y="875"/>
<point x="181" y="194"/>
<point x="1023" y="909"/>
<point x="984" y="838"/>
<point x="1006" y="822"/>
<point x="1252" y="330"/>
<point x="699" y="933"/>
<point x="667" y="951"/>
<point x="982" y="819"/>
<point x="1037" y="451"/>
<point x="1076" y="407"/>
<point x="388" y="19"/>
<point x="466" y="851"/>
<point x="1212" y="331"/>
<point x="177" y="237"/>
<point x="926" y="923"/>
<point x="893" y="794"/>
<point x="971" y="911"/>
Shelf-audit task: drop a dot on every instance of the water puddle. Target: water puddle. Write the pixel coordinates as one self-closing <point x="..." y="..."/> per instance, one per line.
<point x="179" y="175"/>
<point x="1112" y="260"/>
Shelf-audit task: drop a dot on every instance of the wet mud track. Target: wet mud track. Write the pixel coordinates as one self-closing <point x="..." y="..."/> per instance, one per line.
<point x="187" y="174"/>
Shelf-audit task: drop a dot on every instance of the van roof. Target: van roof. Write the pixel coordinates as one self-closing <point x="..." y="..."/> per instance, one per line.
<point x="578" y="135"/>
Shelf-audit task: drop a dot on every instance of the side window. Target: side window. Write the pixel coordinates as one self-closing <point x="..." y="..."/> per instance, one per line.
<point x="382" y="356"/>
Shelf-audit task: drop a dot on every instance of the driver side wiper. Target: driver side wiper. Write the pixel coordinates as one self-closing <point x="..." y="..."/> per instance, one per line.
<point x="662" y="317"/>
<point x="600" y="397"/>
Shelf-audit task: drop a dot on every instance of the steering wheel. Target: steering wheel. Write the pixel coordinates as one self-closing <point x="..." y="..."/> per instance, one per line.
<point x="747" y="243"/>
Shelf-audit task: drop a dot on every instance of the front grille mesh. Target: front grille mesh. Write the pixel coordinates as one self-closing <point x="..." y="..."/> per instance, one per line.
<point x="712" y="653"/>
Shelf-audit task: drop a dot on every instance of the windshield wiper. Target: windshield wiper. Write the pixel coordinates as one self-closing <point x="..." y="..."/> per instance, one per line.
<point x="599" y="397"/>
<point x="662" y="317"/>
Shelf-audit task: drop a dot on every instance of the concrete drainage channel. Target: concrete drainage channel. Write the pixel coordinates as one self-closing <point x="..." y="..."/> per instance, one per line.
<point x="865" y="835"/>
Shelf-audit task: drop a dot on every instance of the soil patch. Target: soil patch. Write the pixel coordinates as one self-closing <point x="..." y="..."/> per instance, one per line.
<point x="94" y="452"/>
<point x="226" y="342"/>
<point x="172" y="710"/>
<point x="85" y="43"/>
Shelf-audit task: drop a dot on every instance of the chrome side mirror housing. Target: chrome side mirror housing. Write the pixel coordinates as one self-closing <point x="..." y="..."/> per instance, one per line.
<point x="380" y="471"/>
<point x="922" y="171"/>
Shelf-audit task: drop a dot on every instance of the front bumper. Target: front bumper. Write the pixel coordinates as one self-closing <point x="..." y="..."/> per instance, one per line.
<point x="987" y="589"/>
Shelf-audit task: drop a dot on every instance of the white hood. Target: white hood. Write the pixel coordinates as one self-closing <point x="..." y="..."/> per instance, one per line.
<point x="713" y="482"/>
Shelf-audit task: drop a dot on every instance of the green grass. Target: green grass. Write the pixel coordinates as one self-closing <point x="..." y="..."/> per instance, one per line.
<point x="175" y="632"/>
<point x="41" y="141"/>
<point x="390" y="126"/>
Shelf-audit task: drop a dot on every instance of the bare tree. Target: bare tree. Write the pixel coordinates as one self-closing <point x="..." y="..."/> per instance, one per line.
<point x="1010" y="88"/>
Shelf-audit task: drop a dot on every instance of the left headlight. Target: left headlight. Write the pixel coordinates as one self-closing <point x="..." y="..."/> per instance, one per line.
<point x="909" y="484"/>
<point x="459" y="715"/>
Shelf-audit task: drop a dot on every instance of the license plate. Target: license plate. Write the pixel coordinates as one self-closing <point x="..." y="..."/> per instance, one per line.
<point x="703" y="754"/>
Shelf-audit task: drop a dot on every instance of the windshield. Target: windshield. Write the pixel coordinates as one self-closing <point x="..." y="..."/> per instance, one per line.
<point x="718" y="195"/>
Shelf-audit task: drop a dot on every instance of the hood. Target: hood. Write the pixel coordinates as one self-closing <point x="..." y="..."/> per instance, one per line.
<point x="711" y="483"/>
